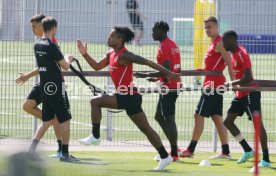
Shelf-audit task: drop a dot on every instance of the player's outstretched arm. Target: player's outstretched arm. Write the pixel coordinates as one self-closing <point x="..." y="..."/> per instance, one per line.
<point x="128" y="57"/>
<point x="166" y="64"/>
<point x="26" y="76"/>
<point x="92" y="62"/>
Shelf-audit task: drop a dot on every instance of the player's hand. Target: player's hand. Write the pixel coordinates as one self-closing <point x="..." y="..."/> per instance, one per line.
<point x="82" y="47"/>
<point x="22" y="79"/>
<point x="69" y="58"/>
<point x="152" y="79"/>
<point x="200" y="69"/>
<point x="227" y="84"/>
<point x="140" y="75"/>
<point x="173" y="76"/>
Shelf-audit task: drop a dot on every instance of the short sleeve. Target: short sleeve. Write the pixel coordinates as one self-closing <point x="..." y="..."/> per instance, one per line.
<point x="56" y="53"/>
<point x="244" y="60"/>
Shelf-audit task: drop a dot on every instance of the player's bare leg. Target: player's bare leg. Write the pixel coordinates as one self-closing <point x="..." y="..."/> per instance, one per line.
<point x="97" y="103"/>
<point x="141" y="122"/>
<point x="229" y="123"/>
<point x="222" y="132"/>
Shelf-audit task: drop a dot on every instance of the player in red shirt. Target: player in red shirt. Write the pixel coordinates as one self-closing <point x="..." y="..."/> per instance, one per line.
<point x="248" y="102"/>
<point x="120" y="62"/>
<point x="211" y="101"/>
<point x="168" y="55"/>
<point x="34" y="98"/>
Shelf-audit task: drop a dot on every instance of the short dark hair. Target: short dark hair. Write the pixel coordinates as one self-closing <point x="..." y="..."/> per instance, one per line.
<point x="125" y="33"/>
<point x="211" y="19"/>
<point x="163" y="25"/>
<point x="230" y="34"/>
<point x="37" y="18"/>
<point x="48" y="23"/>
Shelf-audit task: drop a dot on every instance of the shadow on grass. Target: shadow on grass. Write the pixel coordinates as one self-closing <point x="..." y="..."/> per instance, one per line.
<point x="88" y="163"/>
<point x="148" y="171"/>
<point x="196" y="163"/>
<point x="89" y="159"/>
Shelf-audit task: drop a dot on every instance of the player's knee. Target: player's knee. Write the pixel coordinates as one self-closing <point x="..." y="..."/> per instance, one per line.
<point x="158" y="118"/>
<point x="93" y="102"/>
<point x="198" y="117"/>
<point x="227" y="123"/>
<point x="27" y="106"/>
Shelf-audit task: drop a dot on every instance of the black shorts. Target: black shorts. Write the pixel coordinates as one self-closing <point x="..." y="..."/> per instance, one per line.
<point x="248" y="104"/>
<point x="210" y="104"/>
<point x="56" y="106"/>
<point x="131" y="103"/>
<point x="35" y="94"/>
<point x="166" y="104"/>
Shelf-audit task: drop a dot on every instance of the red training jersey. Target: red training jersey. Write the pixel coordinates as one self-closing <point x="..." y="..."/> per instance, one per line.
<point x="241" y="62"/>
<point x="168" y="50"/>
<point x="214" y="62"/>
<point x="121" y="75"/>
<point x="54" y="40"/>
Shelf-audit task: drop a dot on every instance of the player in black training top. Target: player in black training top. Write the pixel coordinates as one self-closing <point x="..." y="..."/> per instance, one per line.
<point x="55" y="102"/>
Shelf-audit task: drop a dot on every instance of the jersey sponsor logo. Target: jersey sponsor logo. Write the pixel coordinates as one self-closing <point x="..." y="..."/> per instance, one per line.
<point x="235" y="63"/>
<point x="42" y="69"/>
<point x="175" y="51"/>
<point x="176" y="66"/>
<point x="112" y="68"/>
<point x="40" y="53"/>
<point x="116" y="59"/>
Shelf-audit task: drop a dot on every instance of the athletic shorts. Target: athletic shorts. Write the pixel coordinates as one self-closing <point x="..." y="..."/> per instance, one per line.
<point x="35" y="94"/>
<point x="248" y="104"/>
<point x="56" y="106"/>
<point x="131" y="103"/>
<point x="210" y="104"/>
<point x="166" y="104"/>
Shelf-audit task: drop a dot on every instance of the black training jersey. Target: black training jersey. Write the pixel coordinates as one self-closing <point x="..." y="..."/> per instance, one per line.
<point x="47" y="56"/>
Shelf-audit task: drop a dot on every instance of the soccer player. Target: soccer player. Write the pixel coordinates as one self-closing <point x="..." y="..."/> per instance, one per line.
<point x="55" y="102"/>
<point x="120" y="62"/>
<point x="136" y="20"/>
<point x="211" y="101"/>
<point x="248" y="102"/>
<point x="34" y="97"/>
<point x="168" y="55"/>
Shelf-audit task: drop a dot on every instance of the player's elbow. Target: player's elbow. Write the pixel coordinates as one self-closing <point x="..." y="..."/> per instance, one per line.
<point x="247" y="79"/>
<point x="96" y="68"/>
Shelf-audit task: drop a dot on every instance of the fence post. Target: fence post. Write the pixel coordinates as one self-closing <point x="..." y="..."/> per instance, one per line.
<point x="109" y="81"/>
<point x="215" y="132"/>
<point x="36" y="81"/>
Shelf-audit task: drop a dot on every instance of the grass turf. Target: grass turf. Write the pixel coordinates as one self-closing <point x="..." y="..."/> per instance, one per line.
<point x="141" y="164"/>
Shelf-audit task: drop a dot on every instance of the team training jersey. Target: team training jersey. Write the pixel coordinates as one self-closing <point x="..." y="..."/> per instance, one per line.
<point x="214" y="62"/>
<point x="121" y="75"/>
<point x="47" y="56"/>
<point x="168" y="50"/>
<point x="241" y="62"/>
